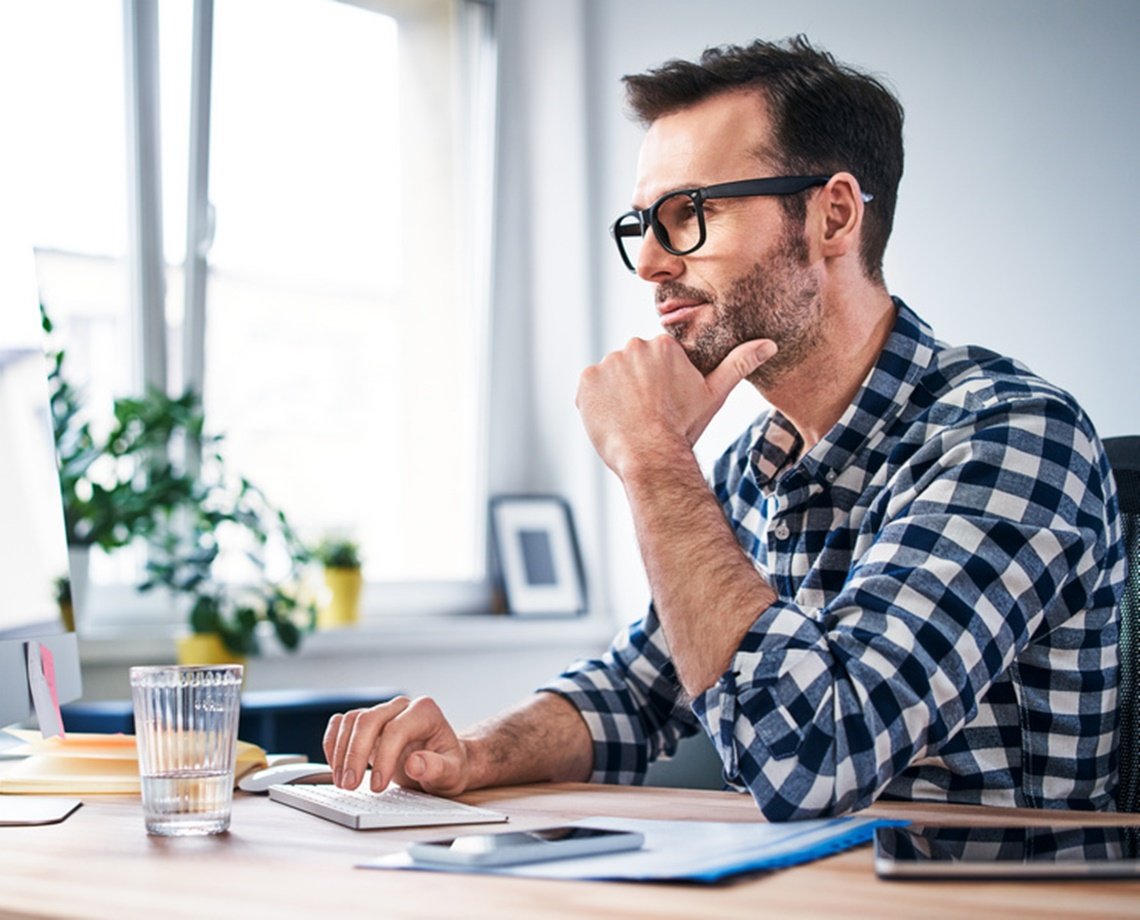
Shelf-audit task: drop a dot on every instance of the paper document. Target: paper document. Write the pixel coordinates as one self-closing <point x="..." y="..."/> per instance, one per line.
<point x="697" y="851"/>
<point x="20" y="811"/>
<point x="86" y="762"/>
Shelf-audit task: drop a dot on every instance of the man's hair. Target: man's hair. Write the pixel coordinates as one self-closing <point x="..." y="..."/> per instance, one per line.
<point x="826" y="117"/>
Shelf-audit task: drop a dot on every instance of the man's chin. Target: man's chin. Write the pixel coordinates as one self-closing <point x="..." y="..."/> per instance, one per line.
<point x="704" y="352"/>
<point x="706" y="358"/>
<point x="703" y="359"/>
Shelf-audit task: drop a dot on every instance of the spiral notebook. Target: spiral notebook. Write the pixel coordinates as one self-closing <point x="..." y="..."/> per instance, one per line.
<point x="693" y="851"/>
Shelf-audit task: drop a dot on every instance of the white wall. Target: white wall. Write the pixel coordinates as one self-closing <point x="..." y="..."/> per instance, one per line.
<point x="1015" y="225"/>
<point x="542" y="326"/>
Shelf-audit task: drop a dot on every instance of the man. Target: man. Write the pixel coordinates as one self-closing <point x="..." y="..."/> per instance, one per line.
<point x="901" y="581"/>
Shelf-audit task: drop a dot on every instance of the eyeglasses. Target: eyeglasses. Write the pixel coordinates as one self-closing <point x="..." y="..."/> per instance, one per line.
<point x="678" y="218"/>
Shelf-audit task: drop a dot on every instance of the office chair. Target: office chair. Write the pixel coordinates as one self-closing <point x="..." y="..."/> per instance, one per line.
<point x="1124" y="456"/>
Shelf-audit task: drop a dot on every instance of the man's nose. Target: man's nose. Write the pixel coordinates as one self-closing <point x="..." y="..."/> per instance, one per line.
<point x="655" y="262"/>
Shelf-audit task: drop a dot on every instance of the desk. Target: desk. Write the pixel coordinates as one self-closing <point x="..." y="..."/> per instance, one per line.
<point x="277" y="863"/>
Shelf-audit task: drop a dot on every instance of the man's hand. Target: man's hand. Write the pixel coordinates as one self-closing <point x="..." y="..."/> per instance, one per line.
<point x="408" y="741"/>
<point x="648" y="396"/>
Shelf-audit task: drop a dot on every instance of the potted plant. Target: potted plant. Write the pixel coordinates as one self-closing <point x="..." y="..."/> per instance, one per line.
<point x="225" y="614"/>
<point x="114" y="486"/>
<point x="125" y="486"/>
<point x="340" y="558"/>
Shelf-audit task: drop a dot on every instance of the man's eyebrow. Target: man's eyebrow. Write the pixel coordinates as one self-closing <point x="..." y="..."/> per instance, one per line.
<point x="682" y="187"/>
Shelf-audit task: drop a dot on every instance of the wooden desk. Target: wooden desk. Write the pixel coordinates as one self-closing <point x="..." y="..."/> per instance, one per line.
<point x="277" y="862"/>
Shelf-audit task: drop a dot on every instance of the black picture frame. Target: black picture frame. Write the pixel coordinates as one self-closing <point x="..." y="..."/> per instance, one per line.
<point x="536" y="556"/>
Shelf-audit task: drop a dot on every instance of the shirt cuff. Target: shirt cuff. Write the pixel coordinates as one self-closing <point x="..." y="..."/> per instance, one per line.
<point x="620" y="755"/>
<point x="749" y="715"/>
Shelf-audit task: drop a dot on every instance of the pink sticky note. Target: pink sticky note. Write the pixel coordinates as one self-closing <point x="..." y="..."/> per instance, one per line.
<point x="45" y="697"/>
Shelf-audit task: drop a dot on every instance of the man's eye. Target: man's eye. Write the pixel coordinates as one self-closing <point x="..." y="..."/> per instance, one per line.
<point x="678" y="211"/>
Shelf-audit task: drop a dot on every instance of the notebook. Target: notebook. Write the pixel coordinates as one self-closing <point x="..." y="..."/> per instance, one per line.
<point x="87" y="763"/>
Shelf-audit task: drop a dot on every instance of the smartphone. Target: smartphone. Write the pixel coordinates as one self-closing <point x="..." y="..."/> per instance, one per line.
<point x="512" y="849"/>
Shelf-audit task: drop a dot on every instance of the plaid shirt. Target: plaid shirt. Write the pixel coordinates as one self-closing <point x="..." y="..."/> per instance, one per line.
<point x="947" y="562"/>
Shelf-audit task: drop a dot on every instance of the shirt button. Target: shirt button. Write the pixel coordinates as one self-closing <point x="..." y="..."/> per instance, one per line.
<point x="831" y="475"/>
<point x="782" y="531"/>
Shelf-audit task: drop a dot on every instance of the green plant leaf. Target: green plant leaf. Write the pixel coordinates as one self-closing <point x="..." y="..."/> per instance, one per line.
<point x="205" y="616"/>
<point x="287" y="633"/>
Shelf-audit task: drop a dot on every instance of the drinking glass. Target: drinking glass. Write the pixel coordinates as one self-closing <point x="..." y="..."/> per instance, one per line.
<point x="186" y="720"/>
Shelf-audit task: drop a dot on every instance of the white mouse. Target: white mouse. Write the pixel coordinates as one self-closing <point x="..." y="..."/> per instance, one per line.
<point x="261" y="780"/>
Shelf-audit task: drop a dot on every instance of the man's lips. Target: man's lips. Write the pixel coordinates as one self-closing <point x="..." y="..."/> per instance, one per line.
<point x="678" y="311"/>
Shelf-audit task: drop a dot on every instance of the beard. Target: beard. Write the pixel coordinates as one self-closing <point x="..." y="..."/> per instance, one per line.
<point x="778" y="300"/>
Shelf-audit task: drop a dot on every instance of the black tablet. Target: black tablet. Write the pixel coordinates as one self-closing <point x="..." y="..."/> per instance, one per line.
<point x="924" y="851"/>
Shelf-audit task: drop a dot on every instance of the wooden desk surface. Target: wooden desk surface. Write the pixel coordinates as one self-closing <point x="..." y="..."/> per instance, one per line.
<point x="277" y="862"/>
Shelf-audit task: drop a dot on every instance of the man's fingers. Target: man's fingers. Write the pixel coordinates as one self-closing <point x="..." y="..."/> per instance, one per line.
<point x="738" y="364"/>
<point x="345" y="724"/>
<point x="328" y="743"/>
<point x="356" y="735"/>
<point x="417" y="726"/>
<point x="434" y="773"/>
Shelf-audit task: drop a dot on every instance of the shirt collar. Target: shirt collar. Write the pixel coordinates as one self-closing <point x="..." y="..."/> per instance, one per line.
<point x="883" y="395"/>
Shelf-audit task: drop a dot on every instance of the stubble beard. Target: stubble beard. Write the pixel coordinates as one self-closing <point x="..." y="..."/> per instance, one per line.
<point x="778" y="300"/>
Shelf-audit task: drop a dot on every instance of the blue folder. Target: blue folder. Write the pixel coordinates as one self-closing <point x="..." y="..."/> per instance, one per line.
<point x="694" y="851"/>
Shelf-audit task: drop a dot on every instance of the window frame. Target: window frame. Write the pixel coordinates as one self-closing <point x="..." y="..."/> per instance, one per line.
<point x="471" y="41"/>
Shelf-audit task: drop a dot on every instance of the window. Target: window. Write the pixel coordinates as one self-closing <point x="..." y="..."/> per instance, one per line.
<point x="332" y="308"/>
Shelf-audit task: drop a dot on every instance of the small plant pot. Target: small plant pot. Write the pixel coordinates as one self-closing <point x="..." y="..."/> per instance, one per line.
<point x="343" y="607"/>
<point x="67" y="615"/>
<point x="205" y="648"/>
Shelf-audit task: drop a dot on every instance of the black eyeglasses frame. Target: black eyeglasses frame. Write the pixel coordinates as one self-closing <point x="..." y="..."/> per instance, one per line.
<point x="743" y="188"/>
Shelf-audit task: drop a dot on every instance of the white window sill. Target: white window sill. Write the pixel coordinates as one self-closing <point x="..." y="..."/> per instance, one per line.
<point x="389" y="633"/>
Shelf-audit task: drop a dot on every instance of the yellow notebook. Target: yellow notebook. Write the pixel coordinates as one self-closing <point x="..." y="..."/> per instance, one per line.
<point x="91" y="763"/>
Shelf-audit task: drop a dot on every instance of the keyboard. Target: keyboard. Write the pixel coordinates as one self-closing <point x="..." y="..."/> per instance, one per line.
<point x="362" y="809"/>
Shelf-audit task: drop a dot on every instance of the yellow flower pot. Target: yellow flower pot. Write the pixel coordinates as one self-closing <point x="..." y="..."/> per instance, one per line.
<point x="67" y="615"/>
<point x="343" y="605"/>
<point x="205" y="648"/>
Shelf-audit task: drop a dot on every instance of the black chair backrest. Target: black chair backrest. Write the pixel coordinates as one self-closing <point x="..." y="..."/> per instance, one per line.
<point x="1124" y="456"/>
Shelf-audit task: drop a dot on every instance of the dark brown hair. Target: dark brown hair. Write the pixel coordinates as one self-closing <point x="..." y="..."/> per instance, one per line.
<point x="826" y="117"/>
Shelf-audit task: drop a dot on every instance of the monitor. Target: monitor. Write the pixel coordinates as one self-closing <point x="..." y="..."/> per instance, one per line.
<point x="33" y="543"/>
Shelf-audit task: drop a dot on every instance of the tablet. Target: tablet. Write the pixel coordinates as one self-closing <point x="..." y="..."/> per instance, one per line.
<point x="1053" y="852"/>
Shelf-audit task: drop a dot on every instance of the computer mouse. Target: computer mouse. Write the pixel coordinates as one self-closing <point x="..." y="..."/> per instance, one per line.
<point x="261" y="780"/>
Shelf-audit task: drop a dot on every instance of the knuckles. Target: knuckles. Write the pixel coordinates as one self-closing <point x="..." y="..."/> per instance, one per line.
<point x="381" y="711"/>
<point x="424" y="706"/>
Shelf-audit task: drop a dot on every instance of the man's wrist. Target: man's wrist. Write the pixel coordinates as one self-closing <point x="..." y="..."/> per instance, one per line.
<point x="475" y="761"/>
<point x="651" y="466"/>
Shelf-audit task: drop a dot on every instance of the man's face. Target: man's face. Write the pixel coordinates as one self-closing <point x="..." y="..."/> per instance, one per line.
<point x="751" y="279"/>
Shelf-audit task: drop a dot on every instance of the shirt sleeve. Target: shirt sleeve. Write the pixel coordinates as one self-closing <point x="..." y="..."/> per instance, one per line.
<point x="631" y="701"/>
<point x="980" y="539"/>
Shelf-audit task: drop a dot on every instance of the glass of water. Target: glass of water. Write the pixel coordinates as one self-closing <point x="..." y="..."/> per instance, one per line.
<point x="186" y="720"/>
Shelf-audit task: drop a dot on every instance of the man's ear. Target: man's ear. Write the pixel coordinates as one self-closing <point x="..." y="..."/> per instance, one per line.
<point x="839" y="207"/>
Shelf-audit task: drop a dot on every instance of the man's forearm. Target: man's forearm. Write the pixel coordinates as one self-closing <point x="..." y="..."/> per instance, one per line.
<point x="544" y="739"/>
<point x="706" y="590"/>
<point x="644" y="407"/>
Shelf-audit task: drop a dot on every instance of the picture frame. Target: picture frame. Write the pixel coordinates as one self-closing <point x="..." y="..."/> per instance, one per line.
<point x="536" y="555"/>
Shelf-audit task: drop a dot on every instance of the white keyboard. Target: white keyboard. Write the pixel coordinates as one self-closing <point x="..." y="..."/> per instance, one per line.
<point x="362" y="809"/>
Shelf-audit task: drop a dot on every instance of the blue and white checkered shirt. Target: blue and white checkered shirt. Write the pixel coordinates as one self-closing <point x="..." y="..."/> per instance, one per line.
<point x="947" y="562"/>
